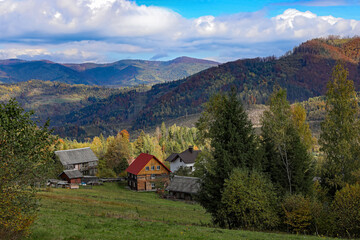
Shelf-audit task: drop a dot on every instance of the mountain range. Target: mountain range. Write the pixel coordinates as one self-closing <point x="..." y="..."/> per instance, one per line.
<point x="118" y="74"/>
<point x="304" y="72"/>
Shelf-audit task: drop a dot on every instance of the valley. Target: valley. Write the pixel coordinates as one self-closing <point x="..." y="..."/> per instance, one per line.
<point x="85" y="111"/>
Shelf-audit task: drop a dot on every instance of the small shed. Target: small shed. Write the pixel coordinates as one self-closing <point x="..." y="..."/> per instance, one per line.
<point x="182" y="187"/>
<point x="72" y="176"/>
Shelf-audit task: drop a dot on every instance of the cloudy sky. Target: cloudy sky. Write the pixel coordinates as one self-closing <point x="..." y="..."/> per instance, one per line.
<point x="221" y="30"/>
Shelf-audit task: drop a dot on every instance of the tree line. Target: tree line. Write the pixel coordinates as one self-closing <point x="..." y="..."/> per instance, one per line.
<point x="116" y="152"/>
<point x="269" y="181"/>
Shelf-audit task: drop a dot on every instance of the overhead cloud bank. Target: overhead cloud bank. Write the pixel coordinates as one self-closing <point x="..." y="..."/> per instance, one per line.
<point x="98" y="30"/>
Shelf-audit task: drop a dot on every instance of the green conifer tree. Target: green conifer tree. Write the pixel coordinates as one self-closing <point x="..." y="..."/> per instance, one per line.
<point x="233" y="145"/>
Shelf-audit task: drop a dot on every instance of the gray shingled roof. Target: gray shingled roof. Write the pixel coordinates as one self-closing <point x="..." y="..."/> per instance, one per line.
<point x="74" y="156"/>
<point x="73" y="174"/>
<point x="184" y="184"/>
<point x="187" y="156"/>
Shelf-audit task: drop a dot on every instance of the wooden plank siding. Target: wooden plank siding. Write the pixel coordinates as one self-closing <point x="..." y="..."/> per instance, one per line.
<point x="148" y="176"/>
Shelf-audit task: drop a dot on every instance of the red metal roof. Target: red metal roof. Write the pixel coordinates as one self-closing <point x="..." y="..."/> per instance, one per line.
<point x="140" y="162"/>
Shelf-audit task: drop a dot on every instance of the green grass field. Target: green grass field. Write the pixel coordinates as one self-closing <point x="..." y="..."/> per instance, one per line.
<point x="114" y="212"/>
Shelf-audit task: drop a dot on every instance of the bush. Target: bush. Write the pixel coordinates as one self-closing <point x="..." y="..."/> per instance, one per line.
<point x="346" y="208"/>
<point x="249" y="201"/>
<point x="297" y="210"/>
<point x="323" y="217"/>
<point x="106" y="173"/>
<point x="183" y="171"/>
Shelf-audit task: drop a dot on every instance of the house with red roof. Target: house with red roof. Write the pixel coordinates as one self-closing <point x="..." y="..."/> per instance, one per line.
<point x="145" y="172"/>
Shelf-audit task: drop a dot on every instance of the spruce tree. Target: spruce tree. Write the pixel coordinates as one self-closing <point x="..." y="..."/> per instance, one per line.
<point x="233" y="145"/>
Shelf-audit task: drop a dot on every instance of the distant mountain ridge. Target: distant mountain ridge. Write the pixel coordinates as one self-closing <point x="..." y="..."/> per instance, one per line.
<point x="304" y="72"/>
<point x="117" y="74"/>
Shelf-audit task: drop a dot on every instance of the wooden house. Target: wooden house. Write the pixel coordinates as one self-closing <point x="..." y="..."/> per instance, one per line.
<point x="81" y="159"/>
<point x="183" y="159"/>
<point x="145" y="172"/>
<point x="182" y="187"/>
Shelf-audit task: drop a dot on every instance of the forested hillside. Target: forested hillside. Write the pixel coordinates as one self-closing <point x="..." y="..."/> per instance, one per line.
<point x="304" y="72"/>
<point x="117" y="74"/>
<point x="53" y="99"/>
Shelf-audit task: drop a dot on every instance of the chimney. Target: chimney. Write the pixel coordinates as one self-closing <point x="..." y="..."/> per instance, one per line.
<point x="191" y="148"/>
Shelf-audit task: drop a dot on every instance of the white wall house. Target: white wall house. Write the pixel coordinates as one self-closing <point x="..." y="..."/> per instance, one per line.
<point x="184" y="159"/>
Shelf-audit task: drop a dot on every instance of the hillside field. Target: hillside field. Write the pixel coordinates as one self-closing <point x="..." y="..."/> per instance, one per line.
<point x="114" y="212"/>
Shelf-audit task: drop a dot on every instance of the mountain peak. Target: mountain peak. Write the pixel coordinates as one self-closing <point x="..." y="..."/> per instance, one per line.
<point x="184" y="59"/>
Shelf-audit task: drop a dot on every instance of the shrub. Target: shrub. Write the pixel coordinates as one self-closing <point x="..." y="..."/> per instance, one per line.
<point x="106" y="173"/>
<point x="183" y="171"/>
<point x="249" y="201"/>
<point x="297" y="210"/>
<point x="346" y="208"/>
<point x="323" y="217"/>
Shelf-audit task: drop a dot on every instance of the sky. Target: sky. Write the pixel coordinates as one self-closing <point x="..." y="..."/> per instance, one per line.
<point x="75" y="31"/>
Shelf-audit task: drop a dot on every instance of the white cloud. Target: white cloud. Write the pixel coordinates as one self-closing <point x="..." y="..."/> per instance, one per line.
<point x="83" y="51"/>
<point x="91" y="30"/>
<point x="104" y="17"/>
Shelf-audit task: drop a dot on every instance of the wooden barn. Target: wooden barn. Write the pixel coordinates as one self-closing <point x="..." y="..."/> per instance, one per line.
<point x="182" y="187"/>
<point x="145" y="172"/>
<point x="81" y="159"/>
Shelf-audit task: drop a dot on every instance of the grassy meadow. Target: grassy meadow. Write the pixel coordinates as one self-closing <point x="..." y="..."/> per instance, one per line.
<point x="114" y="212"/>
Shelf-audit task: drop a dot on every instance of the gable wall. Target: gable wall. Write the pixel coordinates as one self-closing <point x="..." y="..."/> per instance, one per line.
<point x="153" y="162"/>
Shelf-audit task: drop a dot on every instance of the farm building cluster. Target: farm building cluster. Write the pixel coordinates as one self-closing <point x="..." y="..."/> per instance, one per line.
<point x="80" y="167"/>
<point x="145" y="173"/>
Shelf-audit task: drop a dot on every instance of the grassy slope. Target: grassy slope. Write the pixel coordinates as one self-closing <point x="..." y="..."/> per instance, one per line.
<point x="113" y="212"/>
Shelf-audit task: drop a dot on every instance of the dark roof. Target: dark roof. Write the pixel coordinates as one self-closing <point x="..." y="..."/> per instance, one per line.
<point x="172" y="157"/>
<point x="184" y="184"/>
<point x="187" y="156"/>
<point x="139" y="163"/>
<point x="73" y="174"/>
<point x="73" y="156"/>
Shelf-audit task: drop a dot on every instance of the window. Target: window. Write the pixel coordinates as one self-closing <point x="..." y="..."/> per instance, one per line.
<point x="146" y="168"/>
<point x="152" y="176"/>
<point x="157" y="167"/>
<point x="152" y="167"/>
<point x="152" y="185"/>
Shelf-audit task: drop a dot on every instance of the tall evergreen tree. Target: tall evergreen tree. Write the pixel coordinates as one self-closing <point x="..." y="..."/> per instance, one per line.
<point x="288" y="162"/>
<point x="340" y="136"/>
<point x="233" y="145"/>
